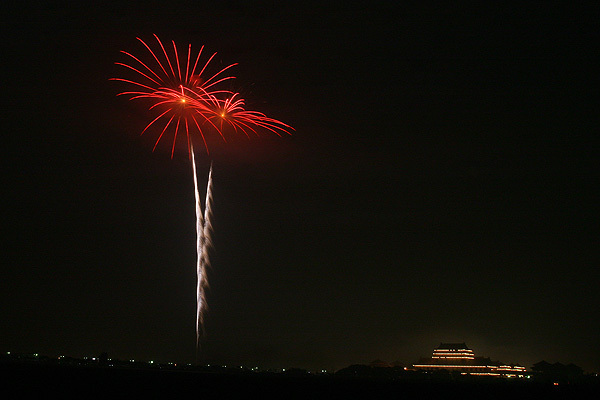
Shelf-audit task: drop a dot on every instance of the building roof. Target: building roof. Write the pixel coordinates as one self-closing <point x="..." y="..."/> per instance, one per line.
<point x="453" y="346"/>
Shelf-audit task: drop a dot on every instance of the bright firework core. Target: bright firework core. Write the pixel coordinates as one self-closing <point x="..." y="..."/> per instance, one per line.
<point x="185" y="101"/>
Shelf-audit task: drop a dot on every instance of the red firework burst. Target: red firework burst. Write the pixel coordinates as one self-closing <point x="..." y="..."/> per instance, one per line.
<point x="184" y="99"/>
<point x="231" y="112"/>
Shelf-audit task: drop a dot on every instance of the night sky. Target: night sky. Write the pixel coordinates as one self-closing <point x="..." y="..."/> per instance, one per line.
<point x="440" y="186"/>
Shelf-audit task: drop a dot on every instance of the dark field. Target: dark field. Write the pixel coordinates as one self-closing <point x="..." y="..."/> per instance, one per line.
<point x="40" y="381"/>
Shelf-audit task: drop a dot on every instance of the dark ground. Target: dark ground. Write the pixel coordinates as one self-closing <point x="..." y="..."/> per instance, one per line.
<point x="23" y="381"/>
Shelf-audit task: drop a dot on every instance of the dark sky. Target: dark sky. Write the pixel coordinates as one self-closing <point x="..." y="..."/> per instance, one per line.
<point x="439" y="187"/>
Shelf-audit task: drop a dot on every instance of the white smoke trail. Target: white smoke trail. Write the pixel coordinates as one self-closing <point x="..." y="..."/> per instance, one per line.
<point x="207" y="228"/>
<point x="203" y="243"/>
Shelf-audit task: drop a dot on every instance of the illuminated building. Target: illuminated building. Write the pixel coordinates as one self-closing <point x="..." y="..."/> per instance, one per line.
<point x="460" y="358"/>
<point x="453" y="351"/>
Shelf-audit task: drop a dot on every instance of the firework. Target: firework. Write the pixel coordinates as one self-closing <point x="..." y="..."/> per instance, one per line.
<point x="230" y="112"/>
<point x="180" y="96"/>
<point x="186" y="97"/>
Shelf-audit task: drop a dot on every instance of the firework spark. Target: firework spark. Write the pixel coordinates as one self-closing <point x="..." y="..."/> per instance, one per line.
<point x="185" y="100"/>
